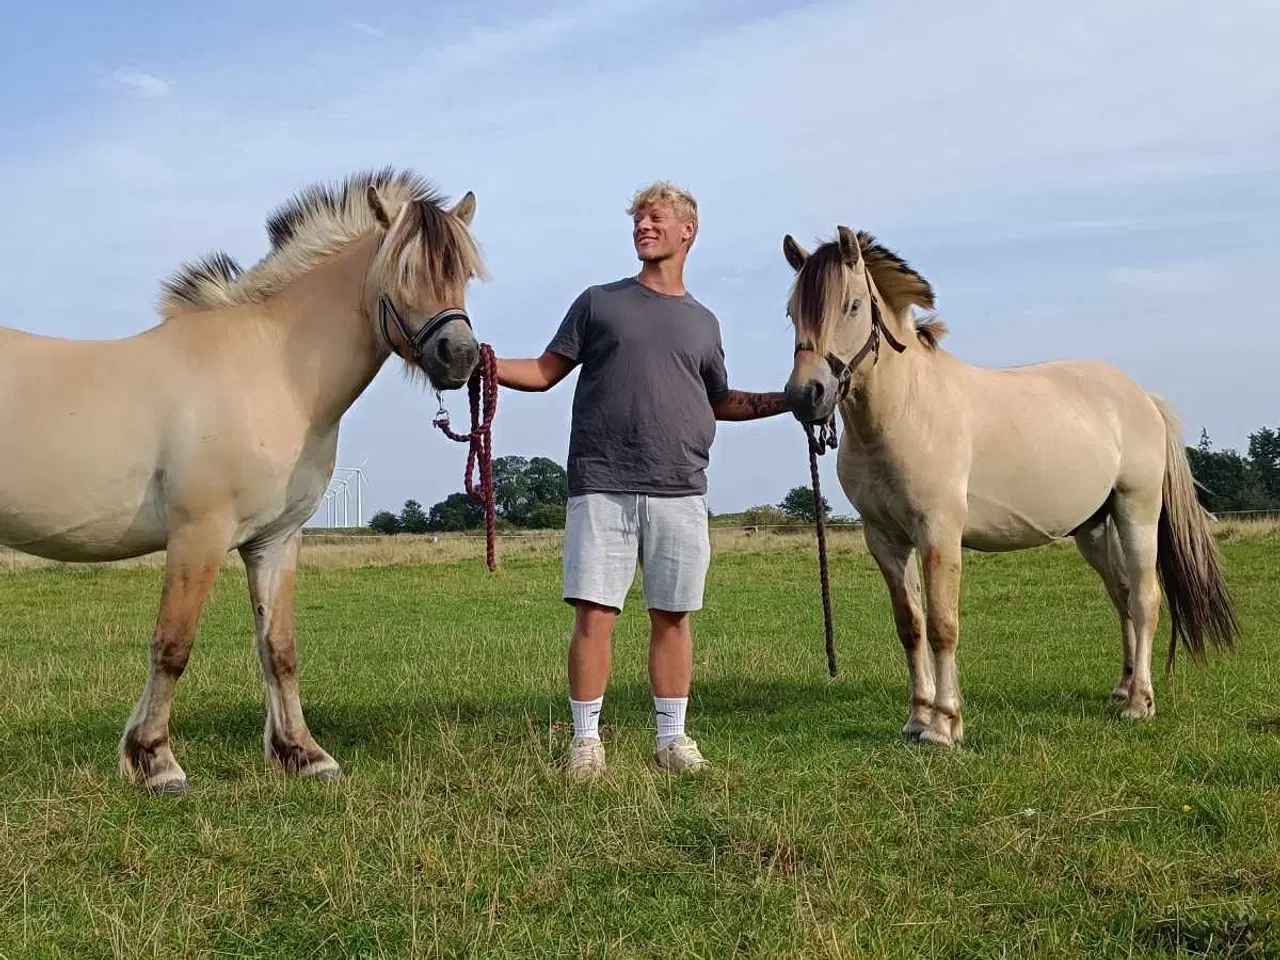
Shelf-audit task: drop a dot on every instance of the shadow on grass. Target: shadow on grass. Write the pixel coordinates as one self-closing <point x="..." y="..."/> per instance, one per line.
<point x="865" y="711"/>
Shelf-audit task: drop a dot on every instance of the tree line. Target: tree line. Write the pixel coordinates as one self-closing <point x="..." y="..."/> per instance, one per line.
<point x="1231" y="481"/>
<point x="528" y="493"/>
<point x="531" y="493"/>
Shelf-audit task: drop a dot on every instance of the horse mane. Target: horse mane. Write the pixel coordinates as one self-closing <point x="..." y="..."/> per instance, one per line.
<point x="316" y="223"/>
<point x="819" y="294"/>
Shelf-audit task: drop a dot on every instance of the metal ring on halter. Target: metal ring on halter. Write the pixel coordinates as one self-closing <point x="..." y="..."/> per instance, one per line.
<point x="415" y="342"/>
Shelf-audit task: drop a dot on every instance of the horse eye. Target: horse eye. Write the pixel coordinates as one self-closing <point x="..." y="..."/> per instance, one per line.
<point x="854" y="305"/>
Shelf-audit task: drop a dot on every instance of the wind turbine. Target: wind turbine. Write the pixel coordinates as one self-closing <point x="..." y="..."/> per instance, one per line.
<point x="345" y="487"/>
<point x="356" y="478"/>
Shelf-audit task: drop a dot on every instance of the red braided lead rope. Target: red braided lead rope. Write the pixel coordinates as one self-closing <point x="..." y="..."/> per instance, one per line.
<point x="825" y="439"/>
<point x="482" y="390"/>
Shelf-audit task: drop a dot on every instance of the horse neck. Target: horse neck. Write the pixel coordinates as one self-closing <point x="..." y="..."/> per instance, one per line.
<point x="879" y="397"/>
<point x="333" y="352"/>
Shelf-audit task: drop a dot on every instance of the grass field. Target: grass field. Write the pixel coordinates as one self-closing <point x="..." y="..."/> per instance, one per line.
<point x="1056" y="831"/>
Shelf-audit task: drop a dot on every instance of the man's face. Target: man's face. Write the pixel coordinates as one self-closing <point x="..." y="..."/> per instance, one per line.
<point x="659" y="233"/>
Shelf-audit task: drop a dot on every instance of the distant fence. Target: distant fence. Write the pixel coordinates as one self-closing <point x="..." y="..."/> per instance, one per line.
<point x="743" y="528"/>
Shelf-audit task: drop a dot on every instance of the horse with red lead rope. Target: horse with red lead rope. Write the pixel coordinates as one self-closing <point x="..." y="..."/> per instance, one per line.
<point x="482" y="391"/>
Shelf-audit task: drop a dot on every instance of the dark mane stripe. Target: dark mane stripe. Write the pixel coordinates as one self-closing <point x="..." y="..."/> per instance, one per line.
<point x="316" y="222"/>
<point x="819" y="289"/>
<point x="334" y="199"/>
<point x="193" y="283"/>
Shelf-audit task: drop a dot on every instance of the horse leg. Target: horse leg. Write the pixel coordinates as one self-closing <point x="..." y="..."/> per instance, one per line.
<point x="897" y="566"/>
<point x="1099" y="544"/>
<point x="942" y="564"/>
<point x="146" y="758"/>
<point x="1136" y="524"/>
<point x="286" y="740"/>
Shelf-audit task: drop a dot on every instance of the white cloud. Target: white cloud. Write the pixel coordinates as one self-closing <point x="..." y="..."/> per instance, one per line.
<point x="368" y="29"/>
<point x="142" y="84"/>
<point x="1001" y="148"/>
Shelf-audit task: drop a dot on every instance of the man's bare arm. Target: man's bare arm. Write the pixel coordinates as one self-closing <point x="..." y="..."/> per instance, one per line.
<point x="534" y="376"/>
<point x="740" y="405"/>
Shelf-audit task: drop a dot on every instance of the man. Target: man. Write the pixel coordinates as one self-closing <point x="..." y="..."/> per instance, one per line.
<point x="651" y="388"/>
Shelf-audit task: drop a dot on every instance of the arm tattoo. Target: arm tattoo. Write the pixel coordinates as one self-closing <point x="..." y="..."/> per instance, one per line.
<point x="740" y="405"/>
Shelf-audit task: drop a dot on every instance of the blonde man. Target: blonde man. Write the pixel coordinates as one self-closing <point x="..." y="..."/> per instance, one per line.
<point x="651" y="388"/>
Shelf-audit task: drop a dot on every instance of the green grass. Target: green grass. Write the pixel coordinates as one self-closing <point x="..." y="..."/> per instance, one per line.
<point x="1056" y="830"/>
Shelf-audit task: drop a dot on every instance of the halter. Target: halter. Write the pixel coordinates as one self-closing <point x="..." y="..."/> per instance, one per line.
<point x="822" y="435"/>
<point x="414" y="342"/>
<point x="842" y="370"/>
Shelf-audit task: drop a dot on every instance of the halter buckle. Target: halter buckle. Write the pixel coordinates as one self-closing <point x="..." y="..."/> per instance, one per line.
<point x="441" y="418"/>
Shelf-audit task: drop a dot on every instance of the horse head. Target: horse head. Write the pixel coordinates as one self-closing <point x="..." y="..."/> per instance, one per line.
<point x="425" y="259"/>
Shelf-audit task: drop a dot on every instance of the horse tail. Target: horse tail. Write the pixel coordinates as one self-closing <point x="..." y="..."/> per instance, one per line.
<point x="1187" y="558"/>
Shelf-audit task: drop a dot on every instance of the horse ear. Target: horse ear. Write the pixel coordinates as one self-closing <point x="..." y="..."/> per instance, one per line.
<point x="796" y="255"/>
<point x="379" y="211"/>
<point x="850" y="251"/>
<point x="466" y="208"/>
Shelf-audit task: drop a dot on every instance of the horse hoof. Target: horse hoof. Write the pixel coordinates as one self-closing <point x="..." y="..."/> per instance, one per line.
<point x="1135" y="714"/>
<point x="173" y="787"/>
<point x="936" y="739"/>
<point x="323" y="771"/>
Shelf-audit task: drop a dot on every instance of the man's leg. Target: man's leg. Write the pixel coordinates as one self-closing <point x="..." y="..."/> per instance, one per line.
<point x="670" y="672"/>
<point x="675" y="553"/>
<point x="590" y="656"/>
<point x="600" y="554"/>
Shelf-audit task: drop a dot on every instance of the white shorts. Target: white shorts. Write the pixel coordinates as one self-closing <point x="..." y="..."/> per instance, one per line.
<point x="607" y="534"/>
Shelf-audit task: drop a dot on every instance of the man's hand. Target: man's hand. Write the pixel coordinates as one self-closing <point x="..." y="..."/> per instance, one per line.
<point x="534" y="376"/>
<point x="739" y="405"/>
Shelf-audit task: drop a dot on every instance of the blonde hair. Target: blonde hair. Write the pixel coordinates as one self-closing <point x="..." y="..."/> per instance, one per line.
<point x="664" y="191"/>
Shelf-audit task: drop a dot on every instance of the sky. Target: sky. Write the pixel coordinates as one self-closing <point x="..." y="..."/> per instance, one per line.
<point x="1095" y="179"/>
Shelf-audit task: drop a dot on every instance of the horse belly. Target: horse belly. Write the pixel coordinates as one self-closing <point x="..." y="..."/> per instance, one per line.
<point x="107" y="519"/>
<point x="1031" y="501"/>
<point x="80" y="481"/>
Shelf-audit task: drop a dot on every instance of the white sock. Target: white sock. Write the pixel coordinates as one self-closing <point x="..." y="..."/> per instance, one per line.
<point x="669" y="712"/>
<point x="586" y="717"/>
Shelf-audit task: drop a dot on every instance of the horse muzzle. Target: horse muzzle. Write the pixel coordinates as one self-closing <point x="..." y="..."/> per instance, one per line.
<point x="450" y="356"/>
<point x="812" y="400"/>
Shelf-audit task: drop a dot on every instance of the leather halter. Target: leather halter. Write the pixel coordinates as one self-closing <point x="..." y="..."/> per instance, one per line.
<point x="414" y="342"/>
<point x="843" y="370"/>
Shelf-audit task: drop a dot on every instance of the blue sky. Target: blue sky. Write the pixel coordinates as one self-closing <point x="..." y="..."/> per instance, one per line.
<point x="1095" y="179"/>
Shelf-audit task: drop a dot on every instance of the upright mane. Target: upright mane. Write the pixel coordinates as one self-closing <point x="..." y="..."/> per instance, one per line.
<point x="818" y="298"/>
<point x="316" y="223"/>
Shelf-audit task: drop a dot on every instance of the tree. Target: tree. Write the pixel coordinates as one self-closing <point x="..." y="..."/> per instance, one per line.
<point x="798" y="504"/>
<point x="456" y="512"/>
<point x="765" y="515"/>
<point x="548" y="482"/>
<point x="510" y="487"/>
<point x="413" y="519"/>
<point x="1264" y="457"/>
<point x="549" y="516"/>
<point x="522" y="486"/>
<point x="384" y="521"/>
<point x="1229" y="481"/>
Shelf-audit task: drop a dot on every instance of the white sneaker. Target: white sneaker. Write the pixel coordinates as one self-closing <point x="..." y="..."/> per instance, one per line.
<point x="679" y="756"/>
<point x="584" y="760"/>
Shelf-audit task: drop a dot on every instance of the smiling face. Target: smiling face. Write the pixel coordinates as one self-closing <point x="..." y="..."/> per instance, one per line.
<point x="664" y="222"/>
<point x="659" y="233"/>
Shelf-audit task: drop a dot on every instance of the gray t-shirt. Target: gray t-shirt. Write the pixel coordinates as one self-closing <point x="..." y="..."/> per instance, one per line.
<point x="652" y="369"/>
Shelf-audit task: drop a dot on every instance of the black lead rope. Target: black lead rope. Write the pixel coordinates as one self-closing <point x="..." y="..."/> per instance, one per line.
<point x="823" y="437"/>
